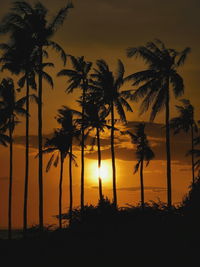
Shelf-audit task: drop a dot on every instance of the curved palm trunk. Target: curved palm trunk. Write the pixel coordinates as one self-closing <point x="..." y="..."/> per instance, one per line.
<point x="142" y="183"/>
<point x="169" y="186"/>
<point x="113" y="156"/>
<point x="10" y="181"/>
<point x="99" y="165"/>
<point x="27" y="161"/>
<point x="40" y="155"/>
<point x="192" y="155"/>
<point x="70" y="184"/>
<point x="60" y="191"/>
<point x="82" y="151"/>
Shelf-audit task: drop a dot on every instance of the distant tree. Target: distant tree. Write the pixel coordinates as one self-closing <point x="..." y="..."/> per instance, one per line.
<point x="186" y="122"/>
<point x="94" y="119"/>
<point x="155" y="83"/>
<point x="143" y="153"/>
<point x="69" y="126"/>
<point x="79" y="78"/>
<point x="59" y="146"/>
<point x="196" y="154"/>
<point x="11" y="108"/>
<point x="107" y="88"/>
<point x="33" y="22"/>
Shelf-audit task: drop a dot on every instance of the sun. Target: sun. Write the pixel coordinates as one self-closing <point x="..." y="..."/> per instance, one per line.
<point x="104" y="172"/>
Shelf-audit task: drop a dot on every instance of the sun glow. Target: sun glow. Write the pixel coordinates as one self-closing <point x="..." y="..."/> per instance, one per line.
<point x="104" y="172"/>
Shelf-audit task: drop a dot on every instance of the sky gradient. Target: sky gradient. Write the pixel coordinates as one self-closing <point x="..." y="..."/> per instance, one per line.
<point x="105" y="29"/>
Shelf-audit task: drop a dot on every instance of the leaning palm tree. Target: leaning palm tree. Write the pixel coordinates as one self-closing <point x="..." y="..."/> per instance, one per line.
<point x="79" y="78"/>
<point x="33" y="21"/>
<point x="107" y="88"/>
<point x="143" y="153"/>
<point x="185" y="122"/>
<point x="69" y="126"/>
<point x="154" y="86"/>
<point x="11" y="107"/>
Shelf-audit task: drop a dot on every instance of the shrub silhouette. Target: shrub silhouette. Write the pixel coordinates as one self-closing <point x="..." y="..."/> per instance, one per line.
<point x="191" y="202"/>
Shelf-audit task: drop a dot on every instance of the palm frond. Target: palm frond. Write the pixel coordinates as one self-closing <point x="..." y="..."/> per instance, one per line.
<point x="50" y="163"/>
<point x="58" y="49"/>
<point x="136" y="167"/>
<point x="47" y="78"/>
<point x="60" y="17"/>
<point x="183" y="56"/>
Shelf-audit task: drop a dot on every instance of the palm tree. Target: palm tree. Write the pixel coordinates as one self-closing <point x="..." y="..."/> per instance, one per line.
<point x="196" y="154"/>
<point x="185" y="122"/>
<point x="70" y="128"/>
<point x="79" y="78"/>
<point x="58" y="143"/>
<point x="155" y="83"/>
<point x="11" y="107"/>
<point x="107" y="88"/>
<point x="32" y="20"/>
<point x="94" y="118"/>
<point x="143" y="153"/>
<point x="18" y="58"/>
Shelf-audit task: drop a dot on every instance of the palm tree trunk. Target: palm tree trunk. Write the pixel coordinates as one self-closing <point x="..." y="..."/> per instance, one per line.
<point x="60" y="191"/>
<point x="192" y="155"/>
<point x="40" y="156"/>
<point x="99" y="165"/>
<point x="82" y="150"/>
<point x="10" y="181"/>
<point x="113" y="156"/>
<point x="70" y="184"/>
<point x="27" y="161"/>
<point x="142" y="183"/>
<point x="169" y="186"/>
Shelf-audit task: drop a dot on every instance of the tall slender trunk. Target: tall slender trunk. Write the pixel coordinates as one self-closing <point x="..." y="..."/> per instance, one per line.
<point x="142" y="182"/>
<point x="113" y="155"/>
<point x="192" y="155"/>
<point x="99" y="165"/>
<point x="10" y="180"/>
<point x="27" y="161"/>
<point x="82" y="149"/>
<point x="70" y="184"/>
<point x="169" y="186"/>
<point x="40" y="155"/>
<point x="60" y="191"/>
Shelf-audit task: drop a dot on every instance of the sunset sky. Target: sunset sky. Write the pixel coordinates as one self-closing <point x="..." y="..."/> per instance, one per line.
<point x="105" y="29"/>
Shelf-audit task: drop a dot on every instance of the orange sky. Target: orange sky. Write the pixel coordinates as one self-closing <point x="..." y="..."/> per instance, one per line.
<point x="104" y="29"/>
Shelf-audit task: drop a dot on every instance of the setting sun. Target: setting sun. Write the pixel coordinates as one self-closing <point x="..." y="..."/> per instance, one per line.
<point x="105" y="171"/>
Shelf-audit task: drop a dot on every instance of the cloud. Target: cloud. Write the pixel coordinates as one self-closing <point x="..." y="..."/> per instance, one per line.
<point x="125" y="150"/>
<point x="4" y="178"/>
<point x="147" y="188"/>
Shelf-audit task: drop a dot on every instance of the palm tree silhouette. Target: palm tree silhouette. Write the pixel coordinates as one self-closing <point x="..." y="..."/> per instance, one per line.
<point x="196" y="153"/>
<point x="60" y="143"/>
<point x="70" y="128"/>
<point x="79" y="78"/>
<point x="18" y="58"/>
<point x="155" y="83"/>
<point x="185" y="122"/>
<point x="94" y="118"/>
<point x="107" y="87"/>
<point x="143" y="153"/>
<point x="33" y="20"/>
<point x="11" y="107"/>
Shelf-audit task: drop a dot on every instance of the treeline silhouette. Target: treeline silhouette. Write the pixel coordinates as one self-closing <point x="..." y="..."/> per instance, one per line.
<point x="101" y="97"/>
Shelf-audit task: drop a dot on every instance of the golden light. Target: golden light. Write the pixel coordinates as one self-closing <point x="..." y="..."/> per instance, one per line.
<point x="104" y="172"/>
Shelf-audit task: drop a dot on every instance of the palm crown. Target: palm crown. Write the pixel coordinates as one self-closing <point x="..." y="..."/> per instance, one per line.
<point x="162" y="69"/>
